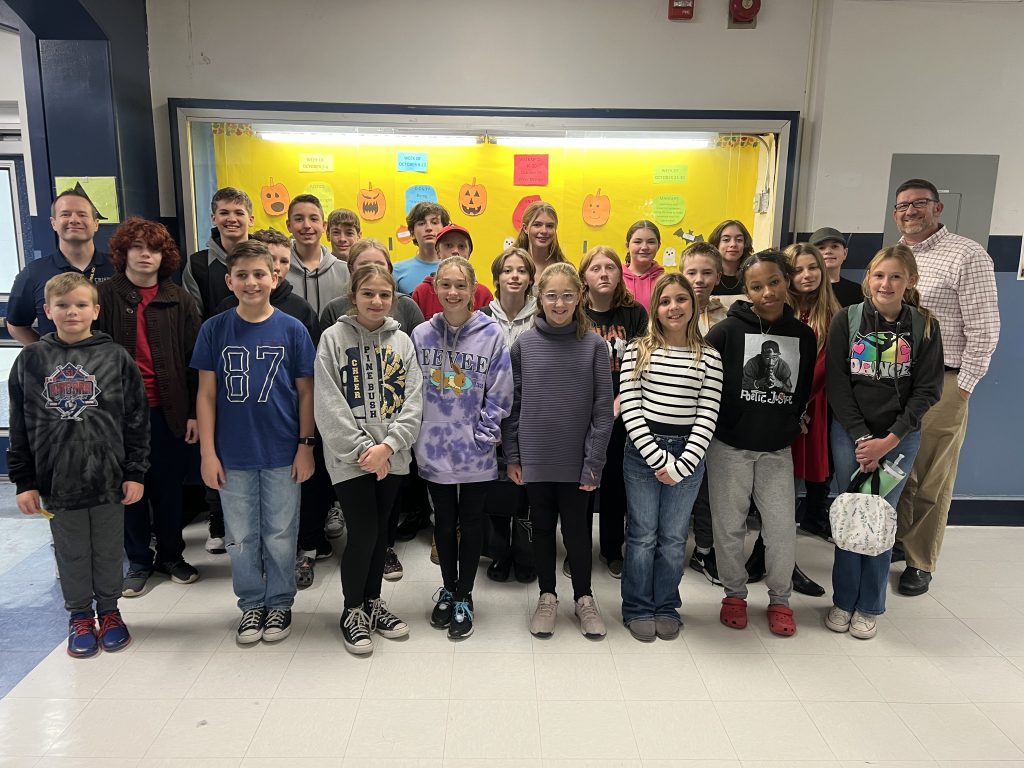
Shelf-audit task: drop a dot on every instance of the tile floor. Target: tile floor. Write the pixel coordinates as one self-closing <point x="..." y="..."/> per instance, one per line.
<point x="941" y="685"/>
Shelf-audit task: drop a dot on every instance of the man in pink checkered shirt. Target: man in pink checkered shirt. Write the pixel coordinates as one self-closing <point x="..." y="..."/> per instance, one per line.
<point x="958" y="284"/>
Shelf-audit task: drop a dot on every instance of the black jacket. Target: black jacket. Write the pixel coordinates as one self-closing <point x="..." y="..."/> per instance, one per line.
<point x="289" y="302"/>
<point x="79" y="422"/>
<point x="886" y="381"/>
<point x="768" y="371"/>
<point x="172" y="322"/>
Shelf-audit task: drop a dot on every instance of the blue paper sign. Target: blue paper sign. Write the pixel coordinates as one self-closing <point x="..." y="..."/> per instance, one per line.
<point x="420" y="193"/>
<point x="412" y="161"/>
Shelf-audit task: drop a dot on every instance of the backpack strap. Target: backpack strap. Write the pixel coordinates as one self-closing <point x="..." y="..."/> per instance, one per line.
<point x="855" y="312"/>
<point x="917" y="327"/>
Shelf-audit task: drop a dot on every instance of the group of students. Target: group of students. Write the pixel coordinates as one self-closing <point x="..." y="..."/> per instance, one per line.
<point x="642" y="393"/>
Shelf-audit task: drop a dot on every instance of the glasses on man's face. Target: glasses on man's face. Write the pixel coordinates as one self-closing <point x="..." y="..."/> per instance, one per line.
<point x="918" y="204"/>
<point x="568" y="297"/>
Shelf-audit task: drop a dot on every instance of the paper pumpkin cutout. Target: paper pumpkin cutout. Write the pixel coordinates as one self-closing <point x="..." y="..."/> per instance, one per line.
<point x="517" y="214"/>
<point x="371" y="203"/>
<point x="403" y="235"/>
<point x="473" y="198"/>
<point x="597" y="209"/>
<point x="275" y="198"/>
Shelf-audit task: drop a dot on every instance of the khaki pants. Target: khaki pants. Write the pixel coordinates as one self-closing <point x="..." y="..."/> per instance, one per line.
<point x="924" y="505"/>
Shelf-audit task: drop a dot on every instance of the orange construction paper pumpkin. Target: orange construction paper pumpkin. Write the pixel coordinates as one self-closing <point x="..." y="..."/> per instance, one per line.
<point x="596" y="209"/>
<point x="371" y="203"/>
<point x="473" y="198"/>
<point x="275" y="198"/>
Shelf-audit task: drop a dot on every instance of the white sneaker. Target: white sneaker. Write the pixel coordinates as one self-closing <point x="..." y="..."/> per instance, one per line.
<point x="863" y="626"/>
<point x="335" y="526"/>
<point x="543" y="622"/>
<point x="838" y="620"/>
<point x="215" y="545"/>
<point x="591" y="623"/>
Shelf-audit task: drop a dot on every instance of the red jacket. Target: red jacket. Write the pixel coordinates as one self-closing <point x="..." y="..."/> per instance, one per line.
<point x="426" y="298"/>
<point x="810" y="451"/>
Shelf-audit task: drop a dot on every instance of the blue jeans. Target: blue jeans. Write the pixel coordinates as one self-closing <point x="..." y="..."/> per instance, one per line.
<point x="859" y="581"/>
<point x="261" y="521"/>
<point x="659" y="522"/>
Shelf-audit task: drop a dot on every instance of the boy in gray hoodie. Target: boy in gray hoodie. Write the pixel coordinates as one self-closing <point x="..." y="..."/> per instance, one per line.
<point x="367" y="401"/>
<point x="316" y="274"/>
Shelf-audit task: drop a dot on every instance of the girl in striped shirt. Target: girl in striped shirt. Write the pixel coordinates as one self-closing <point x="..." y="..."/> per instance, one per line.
<point x="670" y="390"/>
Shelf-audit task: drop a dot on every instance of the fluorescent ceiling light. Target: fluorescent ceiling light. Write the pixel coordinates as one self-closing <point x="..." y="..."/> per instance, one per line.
<point x="605" y="141"/>
<point x="367" y="139"/>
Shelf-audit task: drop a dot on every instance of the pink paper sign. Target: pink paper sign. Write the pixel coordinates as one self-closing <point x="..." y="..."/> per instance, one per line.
<point x="530" y="171"/>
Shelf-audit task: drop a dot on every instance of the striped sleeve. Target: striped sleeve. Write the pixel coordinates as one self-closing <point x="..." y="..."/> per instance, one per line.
<point x="709" y="398"/>
<point x="631" y="407"/>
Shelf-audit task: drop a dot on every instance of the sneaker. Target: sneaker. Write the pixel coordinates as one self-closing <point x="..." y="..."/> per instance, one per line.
<point x="114" y="635"/>
<point x="180" y="572"/>
<point x="441" y="616"/>
<point x="134" y="583"/>
<point x="215" y="545"/>
<point x="303" y="571"/>
<point x="335" y="526"/>
<point x="355" y="631"/>
<point x="384" y="622"/>
<point x="461" y="626"/>
<point x="250" y="628"/>
<point x="837" y="619"/>
<point x="566" y="569"/>
<point x="434" y="557"/>
<point x="82" y="639"/>
<point x="324" y="551"/>
<point x="705" y="563"/>
<point x="392" y="565"/>
<point x="863" y="626"/>
<point x="615" y="569"/>
<point x="591" y="623"/>
<point x="278" y="624"/>
<point x="543" y="622"/>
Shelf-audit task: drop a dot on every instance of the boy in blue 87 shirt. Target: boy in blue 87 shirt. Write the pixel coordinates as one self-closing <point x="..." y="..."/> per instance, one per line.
<point x="255" y="412"/>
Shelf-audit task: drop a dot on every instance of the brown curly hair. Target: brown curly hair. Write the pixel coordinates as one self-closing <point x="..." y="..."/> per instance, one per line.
<point x="154" y="235"/>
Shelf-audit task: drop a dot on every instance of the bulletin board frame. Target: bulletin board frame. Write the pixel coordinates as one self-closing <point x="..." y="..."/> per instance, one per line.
<point x="784" y="125"/>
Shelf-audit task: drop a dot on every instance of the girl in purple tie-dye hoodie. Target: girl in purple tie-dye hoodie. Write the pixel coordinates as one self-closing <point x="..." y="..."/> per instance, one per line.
<point x="467" y="391"/>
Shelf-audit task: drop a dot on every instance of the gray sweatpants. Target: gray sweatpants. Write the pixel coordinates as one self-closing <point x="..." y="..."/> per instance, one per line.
<point x="734" y="476"/>
<point x="89" y="546"/>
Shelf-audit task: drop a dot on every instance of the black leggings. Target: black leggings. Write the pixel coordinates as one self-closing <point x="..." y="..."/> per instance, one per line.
<point x="611" y="498"/>
<point x="459" y="528"/>
<point x="548" y="503"/>
<point x="367" y="502"/>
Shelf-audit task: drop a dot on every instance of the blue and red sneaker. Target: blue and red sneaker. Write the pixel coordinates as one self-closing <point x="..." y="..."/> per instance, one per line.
<point x="113" y="633"/>
<point x="82" y="640"/>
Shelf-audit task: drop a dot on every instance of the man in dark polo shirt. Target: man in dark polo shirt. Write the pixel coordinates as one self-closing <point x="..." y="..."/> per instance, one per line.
<point x="832" y="244"/>
<point x="75" y="220"/>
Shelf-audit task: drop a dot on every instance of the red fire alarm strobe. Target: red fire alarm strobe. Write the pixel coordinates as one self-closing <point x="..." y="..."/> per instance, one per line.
<point x="680" y="10"/>
<point x="744" y="11"/>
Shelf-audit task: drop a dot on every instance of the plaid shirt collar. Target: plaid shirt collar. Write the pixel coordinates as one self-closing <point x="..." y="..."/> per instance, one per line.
<point x="929" y="243"/>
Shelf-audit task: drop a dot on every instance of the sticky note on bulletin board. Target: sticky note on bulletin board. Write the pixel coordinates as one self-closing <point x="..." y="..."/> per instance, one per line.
<point x="530" y="171"/>
<point x="316" y="162"/>
<point x="412" y="161"/>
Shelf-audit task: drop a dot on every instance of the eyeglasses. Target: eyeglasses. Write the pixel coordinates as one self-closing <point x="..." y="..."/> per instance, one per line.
<point x="568" y="297"/>
<point x="918" y="204"/>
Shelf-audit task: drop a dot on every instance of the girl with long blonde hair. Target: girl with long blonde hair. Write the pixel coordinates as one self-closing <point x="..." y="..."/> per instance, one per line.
<point x="884" y="371"/>
<point x="670" y="392"/>
<point x="538" y="236"/>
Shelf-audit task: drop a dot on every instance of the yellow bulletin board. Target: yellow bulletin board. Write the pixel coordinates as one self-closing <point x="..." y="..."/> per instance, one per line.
<point x="597" y="192"/>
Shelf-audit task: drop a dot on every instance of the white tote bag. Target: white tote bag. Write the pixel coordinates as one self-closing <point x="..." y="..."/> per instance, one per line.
<point x="864" y="523"/>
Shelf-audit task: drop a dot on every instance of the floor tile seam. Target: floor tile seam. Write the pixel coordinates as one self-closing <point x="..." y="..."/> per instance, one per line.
<point x="1006" y="735"/>
<point x="145" y="750"/>
<point x="910" y="730"/>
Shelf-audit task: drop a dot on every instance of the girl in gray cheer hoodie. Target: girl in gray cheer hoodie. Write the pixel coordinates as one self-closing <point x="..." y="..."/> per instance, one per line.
<point x="467" y="391"/>
<point x="368" y="402"/>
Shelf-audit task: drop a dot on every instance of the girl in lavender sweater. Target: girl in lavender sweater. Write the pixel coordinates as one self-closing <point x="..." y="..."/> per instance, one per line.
<point x="556" y="437"/>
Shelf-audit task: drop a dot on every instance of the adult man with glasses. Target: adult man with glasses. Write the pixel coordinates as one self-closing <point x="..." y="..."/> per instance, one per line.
<point x="957" y="283"/>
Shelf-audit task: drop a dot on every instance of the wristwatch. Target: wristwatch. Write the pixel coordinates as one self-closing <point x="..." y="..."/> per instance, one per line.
<point x="307" y="441"/>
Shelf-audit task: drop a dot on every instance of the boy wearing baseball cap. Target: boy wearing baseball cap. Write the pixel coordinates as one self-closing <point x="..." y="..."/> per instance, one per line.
<point x="453" y="240"/>
<point x="833" y="246"/>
